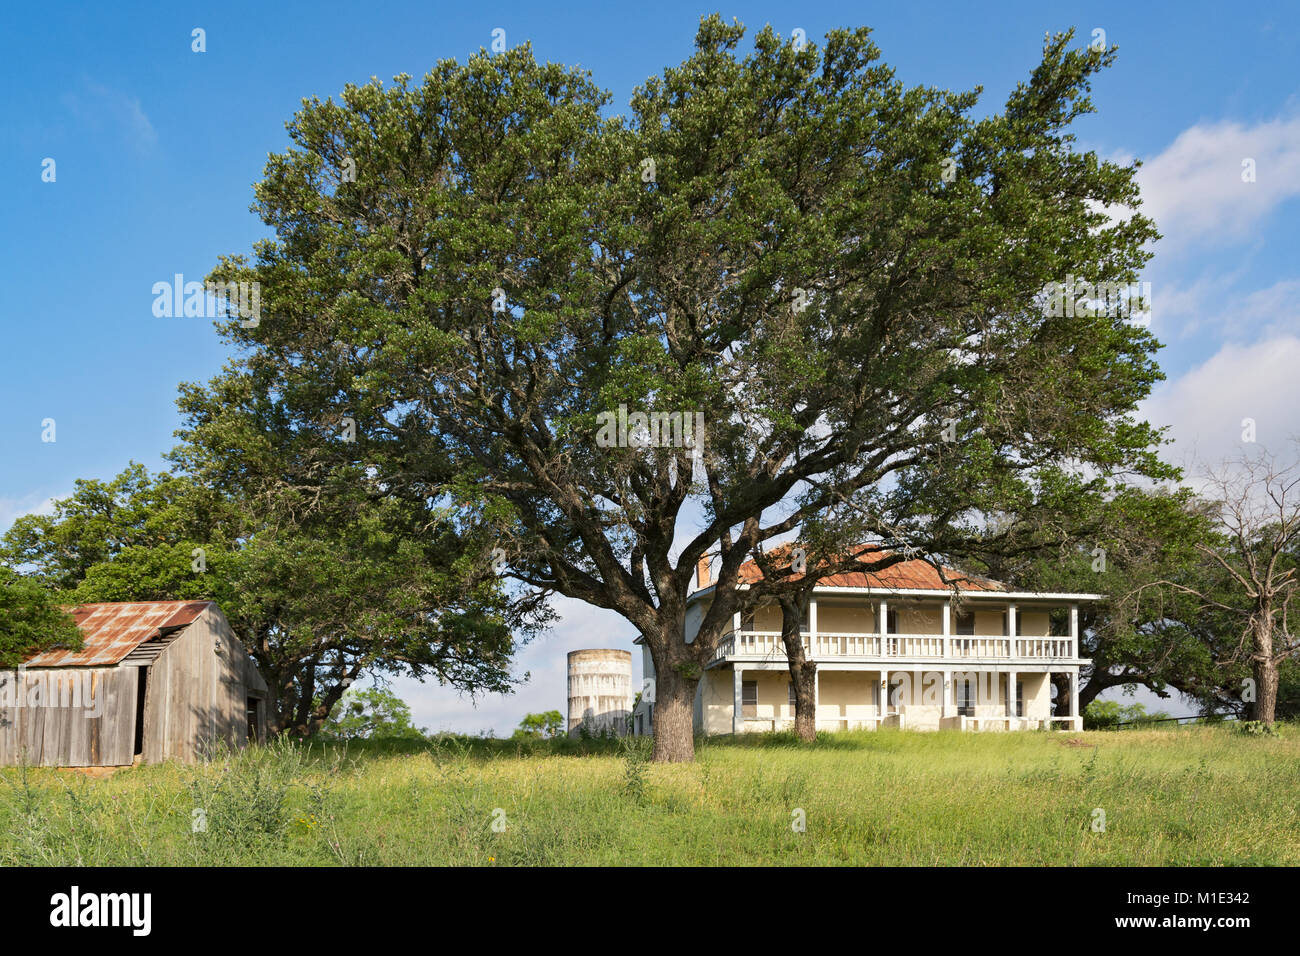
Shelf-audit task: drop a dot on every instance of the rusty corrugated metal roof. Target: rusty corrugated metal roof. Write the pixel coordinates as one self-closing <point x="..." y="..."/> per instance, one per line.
<point x="112" y="631"/>
<point x="913" y="575"/>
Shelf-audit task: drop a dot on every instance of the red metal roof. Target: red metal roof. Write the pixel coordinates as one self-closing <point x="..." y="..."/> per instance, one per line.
<point x="112" y="631"/>
<point x="912" y="575"/>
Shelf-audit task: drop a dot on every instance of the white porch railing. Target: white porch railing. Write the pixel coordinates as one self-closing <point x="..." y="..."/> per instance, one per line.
<point x="1010" y="723"/>
<point x="1044" y="647"/>
<point x="847" y="645"/>
<point x="873" y="722"/>
<point x="968" y="646"/>
<point x="767" y="645"/>
<point x="757" y="644"/>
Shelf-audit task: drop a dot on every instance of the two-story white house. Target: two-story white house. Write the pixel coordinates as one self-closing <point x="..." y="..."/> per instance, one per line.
<point x="899" y="647"/>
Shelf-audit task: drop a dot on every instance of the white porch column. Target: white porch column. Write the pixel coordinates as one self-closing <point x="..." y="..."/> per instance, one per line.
<point x="1011" y="630"/>
<point x="1011" y="700"/>
<point x="1074" y="700"/>
<point x="947" y="630"/>
<point x="882" y="626"/>
<point x="883" y="680"/>
<point x="1074" y="630"/>
<point x="817" y="694"/>
<point x="738" y="702"/>
<point x="812" y="628"/>
<point x="947" y="686"/>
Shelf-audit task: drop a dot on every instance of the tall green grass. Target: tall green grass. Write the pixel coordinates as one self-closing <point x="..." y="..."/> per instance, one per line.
<point x="1177" y="796"/>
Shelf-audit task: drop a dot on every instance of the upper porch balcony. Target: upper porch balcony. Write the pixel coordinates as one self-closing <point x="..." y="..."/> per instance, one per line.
<point x="851" y="646"/>
<point x="993" y="629"/>
<point x="911" y="612"/>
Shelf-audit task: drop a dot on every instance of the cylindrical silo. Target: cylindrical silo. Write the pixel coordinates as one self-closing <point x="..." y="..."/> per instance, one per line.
<point x="600" y="690"/>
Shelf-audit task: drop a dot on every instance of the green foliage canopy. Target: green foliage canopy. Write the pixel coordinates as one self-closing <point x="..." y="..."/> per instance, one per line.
<point x="835" y="269"/>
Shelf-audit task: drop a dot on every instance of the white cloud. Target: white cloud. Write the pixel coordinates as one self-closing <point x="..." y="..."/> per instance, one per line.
<point x="98" y="107"/>
<point x="1206" y="406"/>
<point x="11" y="509"/>
<point x="1213" y="303"/>
<point x="1194" y="188"/>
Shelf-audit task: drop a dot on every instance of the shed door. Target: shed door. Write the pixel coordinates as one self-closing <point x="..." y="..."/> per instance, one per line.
<point x="253" y="709"/>
<point x="142" y="683"/>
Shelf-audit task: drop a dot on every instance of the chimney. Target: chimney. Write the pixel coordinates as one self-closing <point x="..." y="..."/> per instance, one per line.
<point x="702" y="576"/>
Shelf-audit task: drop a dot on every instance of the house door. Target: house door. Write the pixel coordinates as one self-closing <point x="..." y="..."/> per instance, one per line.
<point x="965" y="698"/>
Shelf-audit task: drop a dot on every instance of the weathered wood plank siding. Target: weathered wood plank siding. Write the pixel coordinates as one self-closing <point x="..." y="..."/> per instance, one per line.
<point x="197" y="692"/>
<point x="196" y="696"/>
<point x="70" y="717"/>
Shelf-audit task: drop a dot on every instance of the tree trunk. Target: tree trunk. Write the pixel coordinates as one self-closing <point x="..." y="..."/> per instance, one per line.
<point x="803" y="672"/>
<point x="1265" y="667"/>
<point x="1088" y="692"/>
<point x="1265" y="706"/>
<point x="674" y="716"/>
<point x="1062" y="684"/>
<point x="1098" y="681"/>
<point x="804" y="675"/>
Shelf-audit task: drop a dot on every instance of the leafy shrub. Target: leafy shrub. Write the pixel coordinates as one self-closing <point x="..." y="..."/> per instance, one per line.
<point x="636" y="754"/>
<point x="1257" y="728"/>
<point x="1111" y="714"/>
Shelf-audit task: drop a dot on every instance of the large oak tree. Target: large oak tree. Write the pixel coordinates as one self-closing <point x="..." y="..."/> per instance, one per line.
<point x="843" y="274"/>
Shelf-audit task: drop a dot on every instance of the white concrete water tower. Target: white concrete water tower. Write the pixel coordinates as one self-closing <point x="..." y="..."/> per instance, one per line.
<point x="600" y="690"/>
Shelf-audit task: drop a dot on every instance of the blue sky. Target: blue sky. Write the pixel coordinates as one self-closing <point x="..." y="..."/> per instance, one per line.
<point x="156" y="147"/>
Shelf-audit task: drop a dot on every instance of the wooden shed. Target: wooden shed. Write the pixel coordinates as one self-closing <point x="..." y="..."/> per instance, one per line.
<point x="155" y="681"/>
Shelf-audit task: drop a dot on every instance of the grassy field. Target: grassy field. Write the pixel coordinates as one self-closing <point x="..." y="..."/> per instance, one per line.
<point x="1189" y="796"/>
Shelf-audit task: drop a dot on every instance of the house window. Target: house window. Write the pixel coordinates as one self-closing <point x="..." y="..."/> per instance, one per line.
<point x="749" y="698"/>
<point x="966" y="624"/>
<point x="891" y="622"/>
<point x="965" y="698"/>
<point x="1019" y="624"/>
<point x="747" y="620"/>
<point x="805" y="622"/>
<point x="792" y="693"/>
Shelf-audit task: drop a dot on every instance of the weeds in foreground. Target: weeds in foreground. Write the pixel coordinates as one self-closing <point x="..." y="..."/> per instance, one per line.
<point x="1185" y="796"/>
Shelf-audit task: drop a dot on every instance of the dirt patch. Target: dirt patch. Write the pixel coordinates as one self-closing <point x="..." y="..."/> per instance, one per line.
<point x="97" y="773"/>
<point x="1076" y="742"/>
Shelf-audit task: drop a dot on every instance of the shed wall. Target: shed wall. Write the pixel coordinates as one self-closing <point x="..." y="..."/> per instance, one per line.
<point x="69" y="717"/>
<point x="197" y="692"/>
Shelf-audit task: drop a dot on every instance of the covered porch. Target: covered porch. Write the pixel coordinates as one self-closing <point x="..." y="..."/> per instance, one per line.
<point x="758" y="696"/>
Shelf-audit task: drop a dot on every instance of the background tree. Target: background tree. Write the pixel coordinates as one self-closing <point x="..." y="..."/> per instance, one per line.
<point x="373" y="713"/>
<point x="1254" y="502"/>
<point x="844" y="275"/>
<point x="1118" y="547"/>
<point x="31" y="620"/>
<point x="131" y="538"/>
<point x="1111" y="714"/>
<point x="545" y="725"/>
<point x="357" y="584"/>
